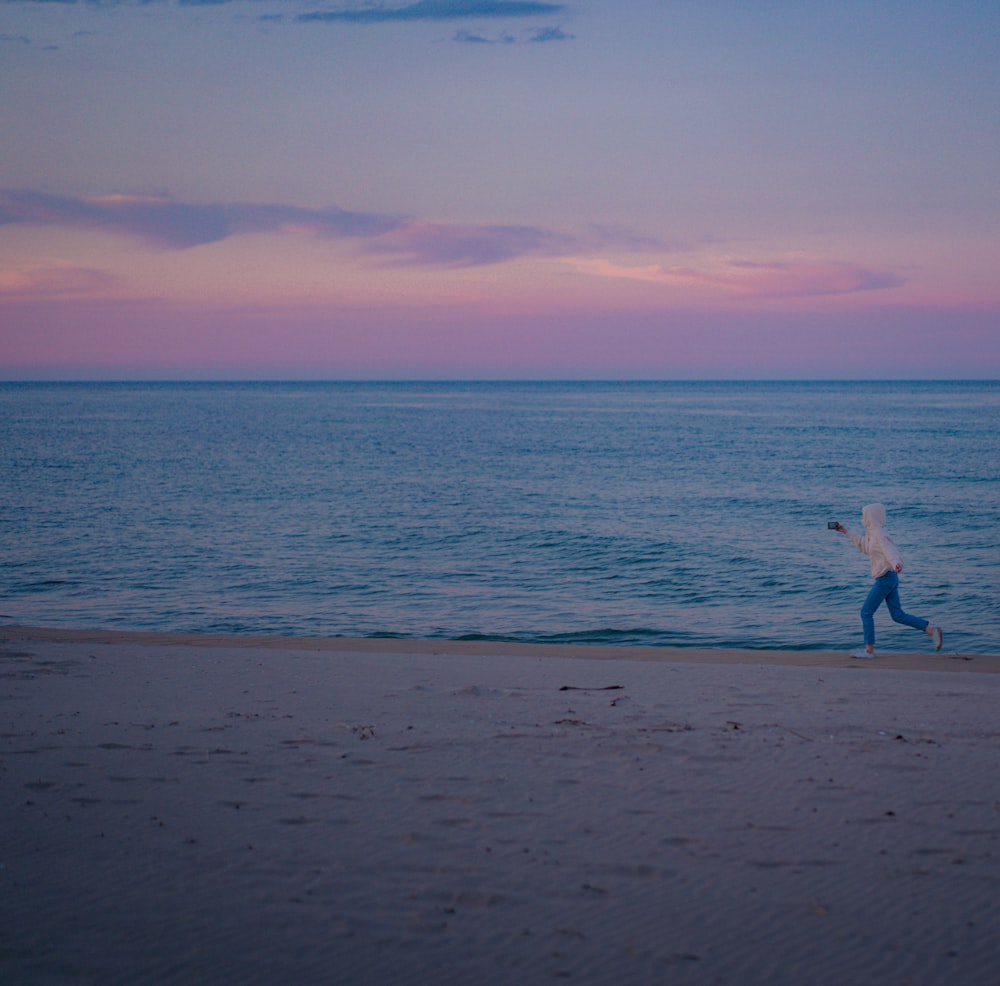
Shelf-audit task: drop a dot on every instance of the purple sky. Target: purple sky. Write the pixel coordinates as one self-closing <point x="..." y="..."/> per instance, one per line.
<point x="456" y="188"/>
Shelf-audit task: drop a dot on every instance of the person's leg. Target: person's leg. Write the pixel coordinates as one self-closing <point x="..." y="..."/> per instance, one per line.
<point x="881" y="587"/>
<point x="897" y="612"/>
<point x="896" y="608"/>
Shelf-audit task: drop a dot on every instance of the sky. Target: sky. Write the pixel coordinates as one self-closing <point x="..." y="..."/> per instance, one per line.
<point x="499" y="189"/>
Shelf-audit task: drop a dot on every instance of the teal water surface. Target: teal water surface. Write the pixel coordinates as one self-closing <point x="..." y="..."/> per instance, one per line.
<point x="689" y="514"/>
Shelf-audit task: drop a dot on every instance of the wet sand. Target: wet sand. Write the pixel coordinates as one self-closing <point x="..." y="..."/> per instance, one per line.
<point x="194" y="809"/>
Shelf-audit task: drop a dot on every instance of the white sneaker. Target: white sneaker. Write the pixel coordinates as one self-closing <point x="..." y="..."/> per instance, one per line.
<point x="864" y="655"/>
<point x="938" y="636"/>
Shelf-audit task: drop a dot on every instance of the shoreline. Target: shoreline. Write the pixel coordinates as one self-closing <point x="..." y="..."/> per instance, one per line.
<point x="897" y="661"/>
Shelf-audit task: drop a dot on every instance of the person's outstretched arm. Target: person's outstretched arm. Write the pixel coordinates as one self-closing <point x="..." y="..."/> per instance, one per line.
<point x="853" y="538"/>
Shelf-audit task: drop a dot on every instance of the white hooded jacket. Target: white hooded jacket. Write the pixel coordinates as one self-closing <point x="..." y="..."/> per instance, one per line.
<point x="876" y="542"/>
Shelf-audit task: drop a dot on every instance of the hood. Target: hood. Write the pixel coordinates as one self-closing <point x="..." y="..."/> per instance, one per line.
<point x="873" y="516"/>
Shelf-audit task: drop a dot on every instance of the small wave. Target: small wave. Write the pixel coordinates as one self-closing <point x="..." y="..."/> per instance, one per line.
<point x="608" y="636"/>
<point x="642" y="637"/>
<point x="41" y="585"/>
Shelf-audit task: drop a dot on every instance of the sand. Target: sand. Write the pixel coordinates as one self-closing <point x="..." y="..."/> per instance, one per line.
<point x="252" y="810"/>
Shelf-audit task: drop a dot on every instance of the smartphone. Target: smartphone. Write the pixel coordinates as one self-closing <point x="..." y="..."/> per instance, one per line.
<point x="832" y="525"/>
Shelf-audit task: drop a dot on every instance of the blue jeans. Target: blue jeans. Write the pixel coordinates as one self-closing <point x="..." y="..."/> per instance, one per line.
<point x="886" y="588"/>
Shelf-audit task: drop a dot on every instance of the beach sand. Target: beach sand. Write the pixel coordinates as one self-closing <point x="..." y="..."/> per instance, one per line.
<point x="193" y="809"/>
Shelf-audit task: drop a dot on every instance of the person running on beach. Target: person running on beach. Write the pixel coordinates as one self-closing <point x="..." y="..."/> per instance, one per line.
<point x="886" y="564"/>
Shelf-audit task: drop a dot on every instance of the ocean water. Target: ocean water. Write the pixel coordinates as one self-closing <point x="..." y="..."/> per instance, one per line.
<point x="683" y="514"/>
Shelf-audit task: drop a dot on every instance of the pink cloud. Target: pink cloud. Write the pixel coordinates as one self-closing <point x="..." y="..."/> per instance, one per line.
<point x="756" y="279"/>
<point x="54" y="279"/>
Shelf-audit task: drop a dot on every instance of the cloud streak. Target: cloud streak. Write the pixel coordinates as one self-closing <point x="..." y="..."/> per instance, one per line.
<point x="755" y="279"/>
<point x="538" y="35"/>
<point x="545" y="34"/>
<point x="167" y="224"/>
<point x="421" y="10"/>
<point x="406" y="241"/>
<point x="54" y="279"/>
<point x="444" y="245"/>
<point x="437" y="10"/>
<point x="467" y="37"/>
<point x="178" y="225"/>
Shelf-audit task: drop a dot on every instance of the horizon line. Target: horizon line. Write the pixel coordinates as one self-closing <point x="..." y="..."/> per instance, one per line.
<point x="117" y="381"/>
